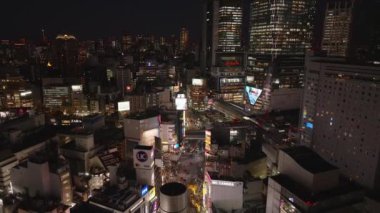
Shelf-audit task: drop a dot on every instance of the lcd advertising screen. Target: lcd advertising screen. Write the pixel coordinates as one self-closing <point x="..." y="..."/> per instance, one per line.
<point x="252" y="94"/>
<point x="123" y="106"/>
<point x="77" y="88"/>
<point x="197" y="82"/>
<point x="181" y="102"/>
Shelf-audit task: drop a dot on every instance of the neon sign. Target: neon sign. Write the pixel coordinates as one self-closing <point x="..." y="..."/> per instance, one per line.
<point x="232" y="63"/>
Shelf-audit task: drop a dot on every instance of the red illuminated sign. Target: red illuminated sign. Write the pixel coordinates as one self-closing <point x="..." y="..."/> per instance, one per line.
<point x="231" y="63"/>
<point x="309" y="203"/>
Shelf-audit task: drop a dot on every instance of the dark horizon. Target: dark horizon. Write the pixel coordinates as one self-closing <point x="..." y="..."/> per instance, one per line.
<point x="98" y="18"/>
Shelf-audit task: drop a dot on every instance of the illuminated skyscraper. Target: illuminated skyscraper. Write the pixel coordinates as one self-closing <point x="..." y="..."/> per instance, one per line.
<point x="66" y="51"/>
<point x="184" y="39"/>
<point x="222" y="50"/>
<point x="15" y="92"/>
<point x="230" y="16"/>
<point x="280" y="27"/>
<point x="221" y="28"/>
<point x="127" y="41"/>
<point x="350" y="32"/>
<point x="280" y="33"/>
<point x="337" y="27"/>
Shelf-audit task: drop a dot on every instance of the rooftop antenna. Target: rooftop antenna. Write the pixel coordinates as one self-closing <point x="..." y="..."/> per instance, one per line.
<point x="43" y="34"/>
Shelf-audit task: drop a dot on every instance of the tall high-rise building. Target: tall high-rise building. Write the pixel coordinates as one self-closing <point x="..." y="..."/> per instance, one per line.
<point x="127" y="41"/>
<point x="230" y="16"/>
<point x="198" y="94"/>
<point x="222" y="28"/>
<point x="15" y="92"/>
<point x="66" y="51"/>
<point x="279" y="81"/>
<point x="280" y="33"/>
<point x="222" y="53"/>
<point x="340" y="116"/>
<point x="348" y="31"/>
<point x="281" y="27"/>
<point x="337" y="25"/>
<point x="183" y="39"/>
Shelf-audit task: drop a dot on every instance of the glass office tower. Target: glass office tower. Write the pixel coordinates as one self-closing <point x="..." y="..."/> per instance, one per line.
<point x="229" y="26"/>
<point x="281" y="27"/>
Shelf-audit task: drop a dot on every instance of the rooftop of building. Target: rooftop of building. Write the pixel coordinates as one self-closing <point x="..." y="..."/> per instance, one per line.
<point x="216" y="176"/>
<point x="142" y="115"/>
<point x="345" y="187"/>
<point x="39" y="204"/>
<point x="309" y="159"/>
<point x="108" y="134"/>
<point x="86" y="207"/>
<point x="76" y="131"/>
<point x="144" y="147"/>
<point x="344" y="61"/>
<point x="173" y="189"/>
<point x="9" y="124"/>
<point x="52" y="85"/>
<point x="65" y="37"/>
<point x="233" y="124"/>
<point x="93" y="116"/>
<point x="235" y="108"/>
<point x="102" y="136"/>
<point x="55" y="163"/>
<point x="115" y="198"/>
<point x="280" y="118"/>
<point x="109" y="159"/>
<point x="5" y="154"/>
<point x="72" y="146"/>
<point x="39" y="135"/>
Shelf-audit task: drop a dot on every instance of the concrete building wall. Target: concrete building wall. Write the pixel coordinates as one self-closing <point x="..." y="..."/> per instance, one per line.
<point x="340" y="117"/>
<point x="326" y="180"/>
<point x="145" y="176"/>
<point x="132" y="128"/>
<point x="38" y="181"/>
<point x="227" y="195"/>
<point x="167" y="131"/>
<point x="5" y="170"/>
<point x="286" y="99"/>
<point x="273" y="197"/>
<point x="289" y="167"/>
<point x="85" y="142"/>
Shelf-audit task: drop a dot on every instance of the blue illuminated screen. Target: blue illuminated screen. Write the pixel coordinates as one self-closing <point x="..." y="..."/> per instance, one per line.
<point x="253" y="94"/>
<point x="309" y="125"/>
<point x="144" y="190"/>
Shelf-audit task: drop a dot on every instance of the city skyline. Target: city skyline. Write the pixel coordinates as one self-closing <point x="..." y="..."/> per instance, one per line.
<point x="205" y="106"/>
<point x="95" y="19"/>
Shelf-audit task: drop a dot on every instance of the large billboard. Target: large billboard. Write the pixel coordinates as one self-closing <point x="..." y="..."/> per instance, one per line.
<point x="123" y="106"/>
<point x="143" y="157"/>
<point x="250" y="79"/>
<point x="25" y="93"/>
<point x="208" y="141"/>
<point x="181" y="102"/>
<point x="253" y="94"/>
<point x="77" y="88"/>
<point x="197" y="82"/>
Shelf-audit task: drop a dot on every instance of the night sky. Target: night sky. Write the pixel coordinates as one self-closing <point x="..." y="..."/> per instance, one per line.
<point x="90" y="19"/>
